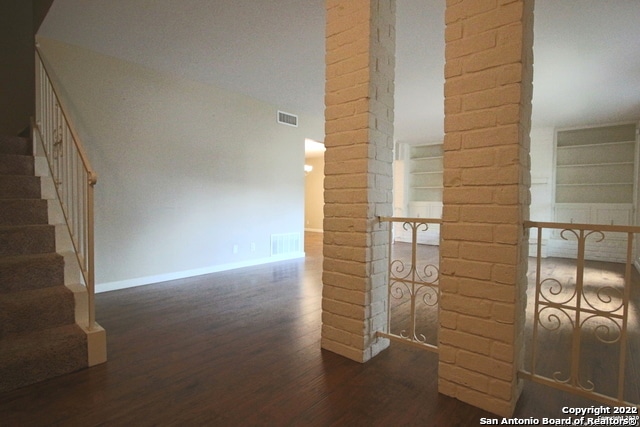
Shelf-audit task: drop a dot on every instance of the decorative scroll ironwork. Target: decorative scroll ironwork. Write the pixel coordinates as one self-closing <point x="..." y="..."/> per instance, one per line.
<point x="412" y="284"/>
<point x="582" y="315"/>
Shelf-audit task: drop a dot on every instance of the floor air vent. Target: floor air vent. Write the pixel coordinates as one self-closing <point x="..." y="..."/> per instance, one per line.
<point x="287" y="119"/>
<point x="283" y="244"/>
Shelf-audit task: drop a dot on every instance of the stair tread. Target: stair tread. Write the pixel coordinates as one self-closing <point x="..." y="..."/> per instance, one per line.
<point x="23" y="199"/>
<point x="15" y="145"/>
<point x="27" y="239"/>
<point x="24" y="295"/>
<point x="17" y="164"/>
<point x="24" y="226"/>
<point x="14" y="155"/>
<point x="24" y="211"/>
<point x="15" y="343"/>
<point x="54" y="305"/>
<point x="20" y="187"/>
<point x="32" y="357"/>
<point x="31" y="271"/>
<point x="45" y="339"/>
<point x="39" y="338"/>
<point x="18" y="176"/>
<point x="20" y="259"/>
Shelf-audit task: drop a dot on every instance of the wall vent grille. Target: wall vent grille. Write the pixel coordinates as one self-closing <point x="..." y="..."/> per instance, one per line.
<point x="287" y="243"/>
<point x="287" y="119"/>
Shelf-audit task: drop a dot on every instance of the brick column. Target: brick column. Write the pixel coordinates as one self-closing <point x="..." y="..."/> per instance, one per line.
<point x="360" y="62"/>
<point x="483" y="263"/>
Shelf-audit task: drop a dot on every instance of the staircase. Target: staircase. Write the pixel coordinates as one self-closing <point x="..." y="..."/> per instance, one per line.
<point x="39" y="337"/>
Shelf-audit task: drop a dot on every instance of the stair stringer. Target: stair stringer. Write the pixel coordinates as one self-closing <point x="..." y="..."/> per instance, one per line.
<point x="73" y="280"/>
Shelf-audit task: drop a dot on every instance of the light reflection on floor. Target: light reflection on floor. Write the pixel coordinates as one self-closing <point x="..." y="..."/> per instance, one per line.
<point x="603" y="292"/>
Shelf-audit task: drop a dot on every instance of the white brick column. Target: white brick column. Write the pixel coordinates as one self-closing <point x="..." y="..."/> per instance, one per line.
<point x="360" y="62"/>
<point x="483" y="263"/>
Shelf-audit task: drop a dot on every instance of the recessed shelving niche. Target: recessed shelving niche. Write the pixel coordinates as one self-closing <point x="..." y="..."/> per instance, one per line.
<point x="596" y="165"/>
<point x="425" y="171"/>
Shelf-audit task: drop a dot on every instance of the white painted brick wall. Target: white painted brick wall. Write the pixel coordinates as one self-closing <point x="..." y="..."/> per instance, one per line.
<point x="360" y="64"/>
<point x="484" y="247"/>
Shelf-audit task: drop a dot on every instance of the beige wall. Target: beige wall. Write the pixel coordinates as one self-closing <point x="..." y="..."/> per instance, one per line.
<point x="186" y="171"/>
<point x="314" y="194"/>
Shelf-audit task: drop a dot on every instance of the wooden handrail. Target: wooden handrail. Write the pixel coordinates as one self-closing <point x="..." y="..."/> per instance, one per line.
<point x="72" y="173"/>
<point x="93" y="177"/>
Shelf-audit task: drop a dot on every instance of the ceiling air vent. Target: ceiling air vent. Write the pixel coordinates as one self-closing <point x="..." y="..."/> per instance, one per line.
<point x="287" y="119"/>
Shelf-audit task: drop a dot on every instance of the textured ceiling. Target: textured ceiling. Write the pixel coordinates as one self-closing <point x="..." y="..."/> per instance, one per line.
<point x="587" y="53"/>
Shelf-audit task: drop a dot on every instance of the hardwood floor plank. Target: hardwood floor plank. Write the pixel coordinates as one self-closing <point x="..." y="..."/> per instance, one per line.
<point x="242" y="348"/>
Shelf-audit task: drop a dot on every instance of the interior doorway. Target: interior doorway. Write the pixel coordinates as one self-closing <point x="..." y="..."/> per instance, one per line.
<point x="313" y="186"/>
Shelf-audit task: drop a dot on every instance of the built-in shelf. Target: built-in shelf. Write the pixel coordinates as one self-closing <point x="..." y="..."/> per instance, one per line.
<point x="596" y="174"/>
<point x="585" y="165"/>
<point x="422" y="172"/>
<point x="425" y="173"/>
<point x="426" y="157"/>
<point x="596" y="165"/>
<point x="594" y="184"/>
<point x="596" y="143"/>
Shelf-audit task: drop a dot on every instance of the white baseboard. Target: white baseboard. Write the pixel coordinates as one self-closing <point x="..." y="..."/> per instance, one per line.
<point x="150" y="280"/>
<point x="314" y="230"/>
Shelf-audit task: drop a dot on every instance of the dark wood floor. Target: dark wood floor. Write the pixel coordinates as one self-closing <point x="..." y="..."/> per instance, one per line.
<point x="242" y="348"/>
<point x="603" y="289"/>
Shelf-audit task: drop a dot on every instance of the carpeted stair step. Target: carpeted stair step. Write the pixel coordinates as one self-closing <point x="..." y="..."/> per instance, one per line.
<point x="15" y="145"/>
<point x="23" y="212"/>
<point x="15" y="164"/>
<point x="54" y="307"/>
<point x="27" y="239"/>
<point x="25" y="272"/>
<point x="19" y="187"/>
<point x="30" y="358"/>
<point x="38" y="335"/>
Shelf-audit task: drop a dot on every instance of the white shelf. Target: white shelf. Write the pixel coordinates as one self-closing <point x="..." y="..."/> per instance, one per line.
<point x="582" y="165"/>
<point x="598" y="144"/>
<point x="426" y="173"/>
<point x="594" y="184"/>
<point x="596" y="165"/>
<point x="427" y="157"/>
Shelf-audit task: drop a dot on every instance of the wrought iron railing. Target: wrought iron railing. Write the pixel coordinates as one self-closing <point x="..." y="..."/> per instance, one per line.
<point x="584" y="325"/>
<point x="413" y="287"/>
<point x="72" y="174"/>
